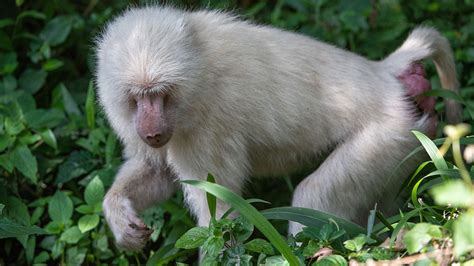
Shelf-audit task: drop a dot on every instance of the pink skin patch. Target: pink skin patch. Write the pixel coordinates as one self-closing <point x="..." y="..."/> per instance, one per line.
<point x="415" y="82"/>
<point x="151" y="122"/>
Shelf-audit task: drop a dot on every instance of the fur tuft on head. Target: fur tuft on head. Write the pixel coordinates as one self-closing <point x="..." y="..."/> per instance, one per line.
<point x="143" y="50"/>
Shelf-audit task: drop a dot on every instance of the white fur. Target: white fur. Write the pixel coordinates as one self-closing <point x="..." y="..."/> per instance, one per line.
<point x="259" y="101"/>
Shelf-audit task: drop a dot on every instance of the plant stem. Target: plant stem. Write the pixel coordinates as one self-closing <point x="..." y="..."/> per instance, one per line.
<point x="459" y="162"/>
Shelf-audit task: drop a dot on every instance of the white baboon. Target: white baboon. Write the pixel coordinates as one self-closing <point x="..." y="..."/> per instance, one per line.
<point x="192" y="93"/>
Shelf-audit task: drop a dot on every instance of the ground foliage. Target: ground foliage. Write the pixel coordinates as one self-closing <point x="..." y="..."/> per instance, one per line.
<point x="58" y="156"/>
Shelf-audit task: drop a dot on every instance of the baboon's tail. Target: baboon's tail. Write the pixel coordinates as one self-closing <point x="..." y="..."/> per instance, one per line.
<point x="424" y="43"/>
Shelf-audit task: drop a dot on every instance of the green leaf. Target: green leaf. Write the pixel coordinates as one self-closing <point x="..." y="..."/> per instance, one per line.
<point x="77" y="164"/>
<point x="32" y="80"/>
<point x="71" y="235"/>
<point x="8" y="63"/>
<point x="213" y="246"/>
<point x="6" y="22"/>
<point x="454" y="193"/>
<point x="88" y="222"/>
<point x="9" y="83"/>
<point x="42" y="257"/>
<point x="420" y="235"/>
<point x="193" y="238"/>
<point x="13" y="127"/>
<point x="85" y="209"/>
<point x="25" y="162"/>
<point x="16" y="210"/>
<point x="242" y="228"/>
<point x="57" y="30"/>
<point x="235" y="256"/>
<point x="260" y="246"/>
<point x="6" y="162"/>
<point x="445" y="94"/>
<point x="331" y="260"/>
<point x="54" y="227"/>
<point x="162" y="255"/>
<point x="2" y="206"/>
<point x="110" y="147"/>
<point x="75" y="256"/>
<point x="90" y="106"/>
<point x="356" y="244"/>
<point x="432" y="150"/>
<point x="37" y="214"/>
<point x="48" y="137"/>
<point x="252" y="214"/>
<point x="5" y="141"/>
<point x="57" y="249"/>
<point x="277" y="261"/>
<point x="312" y="247"/>
<point x="463" y="236"/>
<point x="70" y="105"/>
<point x="40" y="118"/>
<point x="28" y="138"/>
<point x="230" y="210"/>
<point x="94" y="192"/>
<point x="26" y="102"/>
<point x="312" y="218"/>
<point x="102" y="243"/>
<point x="31" y="14"/>
<point x="60" y="207"/>
<point x="9" y="229"/>
<point x="211" y="199"/>
<point x="52" y="64"/>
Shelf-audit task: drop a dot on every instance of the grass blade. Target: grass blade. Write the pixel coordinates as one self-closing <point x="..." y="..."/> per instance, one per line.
<point x="249" y="212"/>
<point x="90" y="106"/>
<point x="445" y="94"/>
<point x="211" y="199"/>
<point x="231" y="209"/>
<point x="312" y="218"/>
<point x="432" y="150"/>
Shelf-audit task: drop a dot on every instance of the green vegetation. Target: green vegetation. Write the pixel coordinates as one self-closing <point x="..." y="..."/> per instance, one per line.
<point x="58" y="155"/>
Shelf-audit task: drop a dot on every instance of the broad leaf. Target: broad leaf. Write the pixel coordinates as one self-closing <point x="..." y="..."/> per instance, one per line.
<point x="40" y="118"/>
<point x="71" y="235"/>
<point x="31" y="80"/>
<point x="77" y="164"/>
<point x="9" y="228"/>
<point x="88" y="222"/>
<point x="420" y="235"/>
<point x="464" y="233"/>
<point x="57" y="30"/>
<point x="25" y="162"/>
<point x="70" y="105"/>
<point x="260" y="246"/>
<point x="52" y="64"/>
<point x="193" y="238"/>
<point x="454" y="193"/>
<point x="48" y="137"/>
<point x="94" y="192"/>
<point x="60" y="207"/>
<point x="213" y="246"/>
<point x="356" y="244"/>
